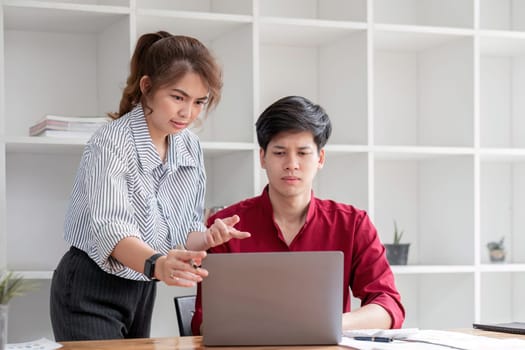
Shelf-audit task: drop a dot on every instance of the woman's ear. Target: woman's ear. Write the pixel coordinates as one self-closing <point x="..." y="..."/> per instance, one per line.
<point x="145" y="84"/>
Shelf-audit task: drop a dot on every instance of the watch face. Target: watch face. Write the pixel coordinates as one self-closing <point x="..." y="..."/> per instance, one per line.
<point x="149" y="265"/>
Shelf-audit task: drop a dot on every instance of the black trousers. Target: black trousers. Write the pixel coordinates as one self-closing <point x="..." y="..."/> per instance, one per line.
<point x="88" y="303"/>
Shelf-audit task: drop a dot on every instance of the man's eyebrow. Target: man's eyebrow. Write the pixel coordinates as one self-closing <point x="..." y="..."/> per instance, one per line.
<point x="302" y="148"/>
<point x="182" y="92"/>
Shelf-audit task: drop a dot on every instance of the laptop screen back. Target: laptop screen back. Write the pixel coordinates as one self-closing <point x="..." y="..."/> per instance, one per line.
<point x="278" y="298"/>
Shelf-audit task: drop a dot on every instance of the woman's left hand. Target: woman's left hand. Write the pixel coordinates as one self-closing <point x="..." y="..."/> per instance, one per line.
<point x="181" y="268"/>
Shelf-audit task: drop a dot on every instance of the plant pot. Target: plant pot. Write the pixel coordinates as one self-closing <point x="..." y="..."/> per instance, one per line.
<point x="397" y="254"/>
<point x="3" y="326"/>
<point x="497" y="255"/>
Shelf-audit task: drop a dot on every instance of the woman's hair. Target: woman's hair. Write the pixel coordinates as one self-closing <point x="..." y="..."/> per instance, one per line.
<point x="165" y="59"/>
<point x="293" y="114"/>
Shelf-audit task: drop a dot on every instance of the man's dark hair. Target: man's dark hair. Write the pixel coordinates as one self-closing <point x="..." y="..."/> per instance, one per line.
<point x="293" y="114"/>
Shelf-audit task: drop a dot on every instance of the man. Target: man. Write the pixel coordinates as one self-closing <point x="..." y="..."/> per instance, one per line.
<point x="292" y="133"/>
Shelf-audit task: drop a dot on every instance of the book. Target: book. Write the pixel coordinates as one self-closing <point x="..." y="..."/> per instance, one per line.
<point x="66" y="134"/>
<point x="62" y="123"/>
<point x="85" y="119"/>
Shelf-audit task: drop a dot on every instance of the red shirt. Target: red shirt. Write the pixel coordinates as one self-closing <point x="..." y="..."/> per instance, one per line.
<point x="329" y="226"/>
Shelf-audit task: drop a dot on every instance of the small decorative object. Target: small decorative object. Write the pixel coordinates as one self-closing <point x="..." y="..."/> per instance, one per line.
<point x="11" y="285"/>
<point x="496" y="250"/>
<point x="397" y="252"/>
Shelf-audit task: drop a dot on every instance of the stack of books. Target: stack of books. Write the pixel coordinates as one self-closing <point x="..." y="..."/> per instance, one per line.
<point x="62" y="126"/>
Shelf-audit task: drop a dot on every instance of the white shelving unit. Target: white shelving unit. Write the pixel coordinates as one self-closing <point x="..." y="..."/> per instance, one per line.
<point x="425" y="97"/>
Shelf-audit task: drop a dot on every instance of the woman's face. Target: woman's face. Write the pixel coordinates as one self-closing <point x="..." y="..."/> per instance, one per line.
<point x="176" y="106"/>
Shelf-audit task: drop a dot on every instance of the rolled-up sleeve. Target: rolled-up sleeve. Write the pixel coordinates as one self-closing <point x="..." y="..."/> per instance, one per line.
<point x="372" y="279"/>
<point x="112" y="217"/>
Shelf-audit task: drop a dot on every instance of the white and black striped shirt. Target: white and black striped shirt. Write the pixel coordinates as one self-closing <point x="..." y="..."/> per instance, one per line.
<point x="122" y="189"/>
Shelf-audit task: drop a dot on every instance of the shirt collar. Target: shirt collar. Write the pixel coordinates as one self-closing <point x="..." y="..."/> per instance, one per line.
<point x="267" y="204"/>
<point x="178" y="152"/>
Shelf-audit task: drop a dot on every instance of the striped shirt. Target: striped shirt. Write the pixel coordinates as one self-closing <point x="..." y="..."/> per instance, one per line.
<point x="122" y="189"/>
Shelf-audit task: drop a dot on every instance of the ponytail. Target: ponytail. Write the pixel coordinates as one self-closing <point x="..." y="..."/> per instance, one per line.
<point x="132" y="95"/>
<point x="165" y="59"/>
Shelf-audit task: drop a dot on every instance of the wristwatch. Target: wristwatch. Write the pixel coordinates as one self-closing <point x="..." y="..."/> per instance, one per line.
<point x="149" y="265"/>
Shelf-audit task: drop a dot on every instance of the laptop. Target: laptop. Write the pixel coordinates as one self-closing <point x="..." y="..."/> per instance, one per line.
<point x="510" y="327"/>
<point x="274" y="298"/>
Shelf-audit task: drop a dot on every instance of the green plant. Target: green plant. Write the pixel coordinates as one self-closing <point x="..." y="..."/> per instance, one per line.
<point x="12" y="285"/>
<point x="397" y="234"/>
<point x="496" y="245"/>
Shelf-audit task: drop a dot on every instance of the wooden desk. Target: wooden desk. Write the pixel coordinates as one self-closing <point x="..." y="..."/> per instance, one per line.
<point x="195" y="343"/>
<point x="174" y="343"/>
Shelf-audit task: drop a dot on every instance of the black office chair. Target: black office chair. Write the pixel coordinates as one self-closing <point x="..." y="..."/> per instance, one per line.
<point x="185" y="308"/>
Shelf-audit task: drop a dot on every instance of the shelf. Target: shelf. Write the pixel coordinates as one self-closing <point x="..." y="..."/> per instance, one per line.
<point x="502" y="267"/>
<point x="29" y="144"/>
<point x="35" y="275"/>
<point x="432" y="269"/>
<point x="418" y="152"/>
<point x="308" y="33"/>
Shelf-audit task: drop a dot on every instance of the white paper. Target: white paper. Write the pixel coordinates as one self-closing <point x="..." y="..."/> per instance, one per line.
<point x="432" y="340"/>
<point x="388" y="333"/>
<point x="40" y="344"/>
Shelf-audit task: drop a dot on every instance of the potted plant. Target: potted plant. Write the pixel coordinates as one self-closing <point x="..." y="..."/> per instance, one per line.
<point x="497" y="250"/>
<point x="11" y="285"/>
<point x="397" y="252"/>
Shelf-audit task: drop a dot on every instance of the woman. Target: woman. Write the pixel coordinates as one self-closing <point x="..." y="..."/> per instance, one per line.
<point x="138" y="193"/>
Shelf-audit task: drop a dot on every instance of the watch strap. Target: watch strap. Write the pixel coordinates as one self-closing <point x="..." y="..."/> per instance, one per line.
<point x="149" y="265"/>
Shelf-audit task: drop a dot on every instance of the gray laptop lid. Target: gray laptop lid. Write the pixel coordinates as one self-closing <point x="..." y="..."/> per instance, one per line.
<point x="285" y="298"/>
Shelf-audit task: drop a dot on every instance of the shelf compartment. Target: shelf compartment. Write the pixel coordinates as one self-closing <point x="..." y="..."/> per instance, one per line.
<point x="423" y="88"/>
<point x="333" y="74"/>
<point x="501" y="296"/>
<point x="231" y="42"/>
<point x="439" y="13"/>
<point x="229" y="176"/>
<point x="502" y="84"/>
<point x="239" y="7"/>
<point x="429" y="300"/>
<point x="344" y="178"/>
<point x="29" y="315"/>
<point x="502" y="202"/>
<point x="38" y="191"/>
<point x="37" y="16"/>
<point x="81" y="65"/>
<point x="338" y="10"/>
<point x="506" y="15"/>
<point x="426" y="204"/>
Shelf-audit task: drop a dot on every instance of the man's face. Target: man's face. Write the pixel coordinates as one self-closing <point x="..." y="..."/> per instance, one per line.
<point x="291" y="162"/>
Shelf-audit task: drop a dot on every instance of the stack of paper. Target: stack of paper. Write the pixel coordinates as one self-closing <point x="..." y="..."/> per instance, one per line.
<point x="62" y="126"/>
<point x="426" y="339"/>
